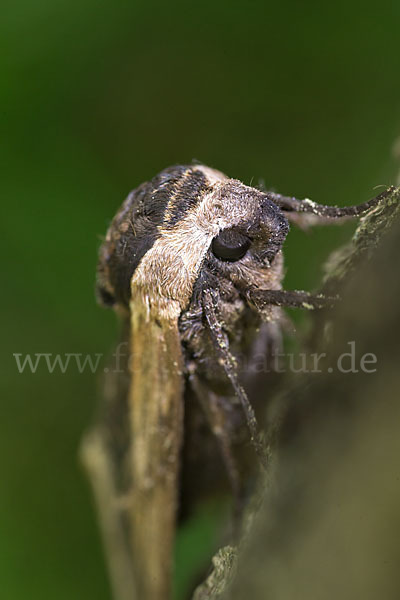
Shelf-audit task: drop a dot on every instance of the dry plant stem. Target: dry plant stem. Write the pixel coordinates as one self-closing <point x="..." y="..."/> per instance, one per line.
<point x="156" y="416"/>
<point x="372" y="227"/>
<point x="96" y="460"/>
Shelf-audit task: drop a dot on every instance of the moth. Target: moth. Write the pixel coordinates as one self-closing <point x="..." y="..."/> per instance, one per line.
<point x="192" y="264"/>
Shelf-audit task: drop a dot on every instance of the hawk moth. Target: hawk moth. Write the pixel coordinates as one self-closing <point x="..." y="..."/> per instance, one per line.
<point x="192" y="263"/>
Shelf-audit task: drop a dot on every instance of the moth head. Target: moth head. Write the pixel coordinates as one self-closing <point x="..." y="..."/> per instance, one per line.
<point x="189" y="223"/>
<point x="253" y="241"/>
<point x="246" y="249"/>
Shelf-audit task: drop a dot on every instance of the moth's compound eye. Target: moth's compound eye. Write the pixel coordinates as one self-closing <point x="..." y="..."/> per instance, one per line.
<point x="230" y="245"/>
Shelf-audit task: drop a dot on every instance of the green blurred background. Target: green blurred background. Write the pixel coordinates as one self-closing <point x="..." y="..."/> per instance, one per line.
<point x="97" y="97"/>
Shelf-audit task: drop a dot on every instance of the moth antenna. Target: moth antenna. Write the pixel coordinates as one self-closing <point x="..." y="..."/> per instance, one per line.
<point x="291" y="299"/>
<point x="291" y="204"/>
<point x="221" y="345"/>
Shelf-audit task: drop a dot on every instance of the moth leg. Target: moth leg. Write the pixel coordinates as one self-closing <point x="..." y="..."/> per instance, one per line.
<point x="292" y="299"/>
<point x="291" y="204"/>
<point x="221" y="344"/>
<point x="96" y="459"/>
<point x="304" y="220"/>
<point x="216" y="413"/>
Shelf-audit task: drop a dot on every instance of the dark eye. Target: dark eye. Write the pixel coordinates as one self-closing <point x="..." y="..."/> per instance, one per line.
<point x="230" y="245"/>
